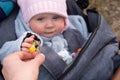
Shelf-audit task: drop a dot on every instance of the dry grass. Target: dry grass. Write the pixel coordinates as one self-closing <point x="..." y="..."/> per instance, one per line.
<point x="111" y="11"/>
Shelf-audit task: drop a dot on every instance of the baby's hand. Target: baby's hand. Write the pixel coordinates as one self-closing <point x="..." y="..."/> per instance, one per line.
<point x="35" y="47"/>
<point x="27" y="43"/>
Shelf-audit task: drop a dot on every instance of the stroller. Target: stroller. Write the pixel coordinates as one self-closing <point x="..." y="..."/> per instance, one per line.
<point x="98" y="59"/>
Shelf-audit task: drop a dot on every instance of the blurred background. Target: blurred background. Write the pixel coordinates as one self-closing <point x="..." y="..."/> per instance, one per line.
<point x="110" y="9"/>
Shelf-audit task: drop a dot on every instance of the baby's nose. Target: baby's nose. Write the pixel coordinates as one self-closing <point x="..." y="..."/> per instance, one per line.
<point x="50" y="24"/>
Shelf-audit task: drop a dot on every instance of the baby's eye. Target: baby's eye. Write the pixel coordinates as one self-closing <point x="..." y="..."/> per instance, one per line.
<point x="57" y="17"/>
<point x="40" y="19"/>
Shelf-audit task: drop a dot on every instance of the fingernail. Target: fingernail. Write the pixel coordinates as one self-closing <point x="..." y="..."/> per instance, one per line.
<point x="41" y="54"/>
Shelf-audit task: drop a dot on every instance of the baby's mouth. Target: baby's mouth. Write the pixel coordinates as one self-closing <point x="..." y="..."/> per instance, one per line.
<point x="50" y="31"/>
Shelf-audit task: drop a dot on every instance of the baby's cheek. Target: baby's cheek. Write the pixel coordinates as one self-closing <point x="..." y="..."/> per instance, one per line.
<point x="39" y="30"/>
<point x="61" y="29"/>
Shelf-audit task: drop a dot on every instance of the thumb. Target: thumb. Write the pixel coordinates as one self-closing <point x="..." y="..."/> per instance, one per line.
<point x="39" y="59"/>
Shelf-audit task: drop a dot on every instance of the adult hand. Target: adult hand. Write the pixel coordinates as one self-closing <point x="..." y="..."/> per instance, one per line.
<point x="22" y="66"/>
<point x="116" y="76"/>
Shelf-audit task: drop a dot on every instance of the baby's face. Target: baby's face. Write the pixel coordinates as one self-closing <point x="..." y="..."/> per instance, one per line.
<point x="47" y="24"/>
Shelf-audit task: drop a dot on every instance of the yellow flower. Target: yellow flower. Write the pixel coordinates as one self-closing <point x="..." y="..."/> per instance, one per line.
<point x="32" y="49"/>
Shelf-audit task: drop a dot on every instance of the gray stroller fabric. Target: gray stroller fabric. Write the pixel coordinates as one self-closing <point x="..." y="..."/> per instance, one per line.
<point x="95" y="61"/>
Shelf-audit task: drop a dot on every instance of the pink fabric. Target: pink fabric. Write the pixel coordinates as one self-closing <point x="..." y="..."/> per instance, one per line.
<point x="31" y="8"/>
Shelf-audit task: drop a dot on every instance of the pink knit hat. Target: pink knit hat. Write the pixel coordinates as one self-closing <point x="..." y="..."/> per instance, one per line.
<point x="31" y="8"/>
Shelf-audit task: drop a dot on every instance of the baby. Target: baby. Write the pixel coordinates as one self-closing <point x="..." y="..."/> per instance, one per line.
<point x="48" y="19"/>
<point x="45" y="21"/>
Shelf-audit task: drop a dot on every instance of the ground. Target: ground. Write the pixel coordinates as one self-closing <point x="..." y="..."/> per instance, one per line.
<point x="111" y="11"/>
